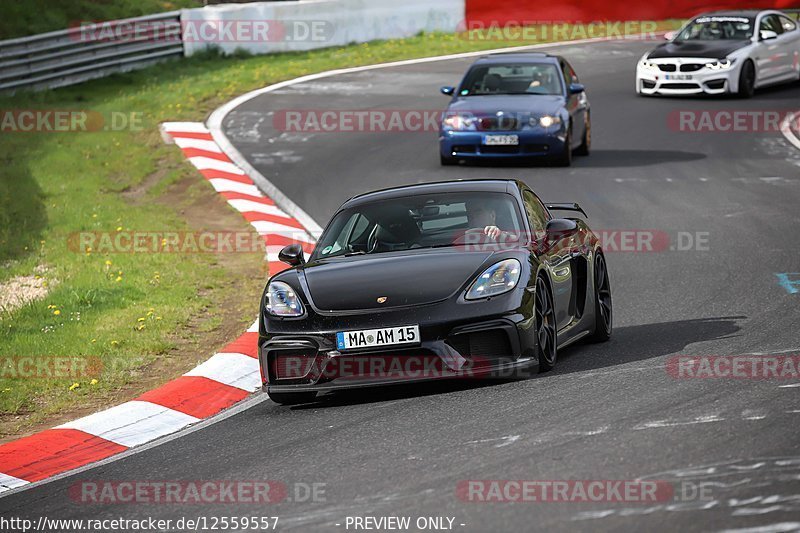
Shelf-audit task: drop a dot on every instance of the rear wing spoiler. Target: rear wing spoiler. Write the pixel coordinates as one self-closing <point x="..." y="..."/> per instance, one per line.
<point x="567" y="207"/>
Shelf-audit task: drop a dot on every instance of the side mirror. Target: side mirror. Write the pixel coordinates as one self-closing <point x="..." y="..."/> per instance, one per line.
<point x="292" y="255"/>
<point x="557" y="229"/>
<point x="670" y="35"/>
<point x="767" y="35"/>
<point x="576" y="88"/>
<point x="448" y="91"/>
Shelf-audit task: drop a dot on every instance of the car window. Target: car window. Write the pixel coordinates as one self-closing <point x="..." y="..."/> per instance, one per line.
<point x="771" y="23"/>
<point x="569" y="73"/>
<point x="537" y="213"/>
<point x="512" y="78"/>
<point x="717" y="27"/>
<point x="420" y="221"/>
<point x="788" y="24"/>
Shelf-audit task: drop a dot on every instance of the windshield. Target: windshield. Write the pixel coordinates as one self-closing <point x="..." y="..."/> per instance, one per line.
<point x="510" y="78"/>
<point x="412" y="222"/>
<point x="717" y="28"/>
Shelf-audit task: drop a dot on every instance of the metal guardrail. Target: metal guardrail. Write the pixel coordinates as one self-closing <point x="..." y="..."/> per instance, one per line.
<point x="65" y="57"/>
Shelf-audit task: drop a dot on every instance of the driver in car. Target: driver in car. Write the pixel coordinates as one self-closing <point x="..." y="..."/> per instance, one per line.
<point x="483" y="217"/>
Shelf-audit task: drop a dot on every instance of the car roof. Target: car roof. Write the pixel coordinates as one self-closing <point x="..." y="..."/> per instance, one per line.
<point x="519" y="57"/>
<point x="452" y="186"/>
<point x="749" y="13"/>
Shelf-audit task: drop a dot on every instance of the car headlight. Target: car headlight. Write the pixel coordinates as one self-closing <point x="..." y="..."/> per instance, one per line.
<point x="722" y="64"/>
<point x="459" y="122"/>
<point x="648" y="65"/>
<point x="549" y="120"/>
<point x="282" y="300"/>
<point x="499" y="278"/>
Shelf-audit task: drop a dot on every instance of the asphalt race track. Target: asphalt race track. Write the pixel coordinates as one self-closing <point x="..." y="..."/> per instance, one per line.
<point x="608" y="411"/>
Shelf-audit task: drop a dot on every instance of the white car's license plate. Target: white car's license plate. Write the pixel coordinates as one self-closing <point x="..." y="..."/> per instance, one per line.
<point x="367" y="338"/>
<point x="501" y="140"/>
<point x="678" y="76"/>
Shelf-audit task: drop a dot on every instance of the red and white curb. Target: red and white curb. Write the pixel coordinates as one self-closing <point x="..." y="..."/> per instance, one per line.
<point x="215" y="385"/>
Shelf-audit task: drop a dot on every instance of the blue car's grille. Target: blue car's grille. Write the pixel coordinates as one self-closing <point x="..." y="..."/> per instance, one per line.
<point x="502" y="123"/>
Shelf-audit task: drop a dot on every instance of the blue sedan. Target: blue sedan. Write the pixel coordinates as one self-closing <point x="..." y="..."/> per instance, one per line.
<point x="512" y="105"/>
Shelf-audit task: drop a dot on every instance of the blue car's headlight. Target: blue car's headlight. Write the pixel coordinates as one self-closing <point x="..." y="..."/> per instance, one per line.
<point x="282" y="300"/>
<point x="499" y="278"/>
<point x="459" y="122"/>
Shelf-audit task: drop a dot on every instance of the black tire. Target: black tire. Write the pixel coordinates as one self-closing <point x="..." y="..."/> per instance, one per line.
<point x="586" y="143"/>
<point x="565" y="159"/>
<point x="603" y="308"/>
<point x="545" y="324"/>
<point x="447" y="161"/>
<point x="292" y="398"/>
<point x="747" y="80"/>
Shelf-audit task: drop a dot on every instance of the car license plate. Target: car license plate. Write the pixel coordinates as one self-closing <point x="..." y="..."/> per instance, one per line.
<point x="679" y="76"/>
<point x="367" y="338"/>
<point x="501" y="140"/>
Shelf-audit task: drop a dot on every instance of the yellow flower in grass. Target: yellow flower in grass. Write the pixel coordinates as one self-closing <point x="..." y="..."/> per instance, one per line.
<point x="93" y="382"/>
<point x="74" y="386"/>
<point x="108" y="262"/>
<point x="56" y="312"/>
<point x="119" y="278"/>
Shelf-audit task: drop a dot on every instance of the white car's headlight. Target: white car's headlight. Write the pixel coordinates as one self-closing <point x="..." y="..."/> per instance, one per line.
<point x="459" y="122"/>
<point x="549" y="120"/>
<point x="722" y="64"/>
<point x="282" y="300"/>
<point x="499" y="278"/>
<point x="648" y="65"/>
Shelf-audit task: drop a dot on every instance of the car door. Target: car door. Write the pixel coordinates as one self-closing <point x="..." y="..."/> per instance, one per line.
<point x="791" y="40"/>
<point x="772" y="51"/>
<point x="556" y="256"/>
<point x="577" y="104"/>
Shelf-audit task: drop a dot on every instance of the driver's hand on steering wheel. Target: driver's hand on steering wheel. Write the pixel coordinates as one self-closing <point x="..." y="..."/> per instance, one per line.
<point x="493" y="232"/>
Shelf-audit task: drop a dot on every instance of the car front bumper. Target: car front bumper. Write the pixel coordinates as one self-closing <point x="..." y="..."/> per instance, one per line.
<point x="497" y="340"/>
<point x="536" y="142"/>
<point x="703" y="81"/>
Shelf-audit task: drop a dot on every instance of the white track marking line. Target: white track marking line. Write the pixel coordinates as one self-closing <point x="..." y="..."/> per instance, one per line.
<point x="201" y="144"/>
<point x="786" y="129"/>
<point x="10" y="482"/>
<point x="208" y="163"/>
<point x="234" y="369"/>
<point x="249" y="206"/>
<point x="224" y="185"/>
<point x="184" y="127"/>
<point x="132" y="423"/>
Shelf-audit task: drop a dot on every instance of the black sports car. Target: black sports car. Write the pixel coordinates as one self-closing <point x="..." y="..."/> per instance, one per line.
<point x="441" y="280"/>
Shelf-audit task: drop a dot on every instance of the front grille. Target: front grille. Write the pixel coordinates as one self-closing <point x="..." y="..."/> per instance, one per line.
<point x="411" y="363"/>
<point x="291" y="365"/>
<point x="464" y="149"/>
<point x="679" y="86"/>
<point x="501" y="123"/>
<point x="483" y="348"/>
<point x="500" y="149"/>
<point x="691" y="67"/>
<point x="667" y="68"/>
<point x="535" y="148"/>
